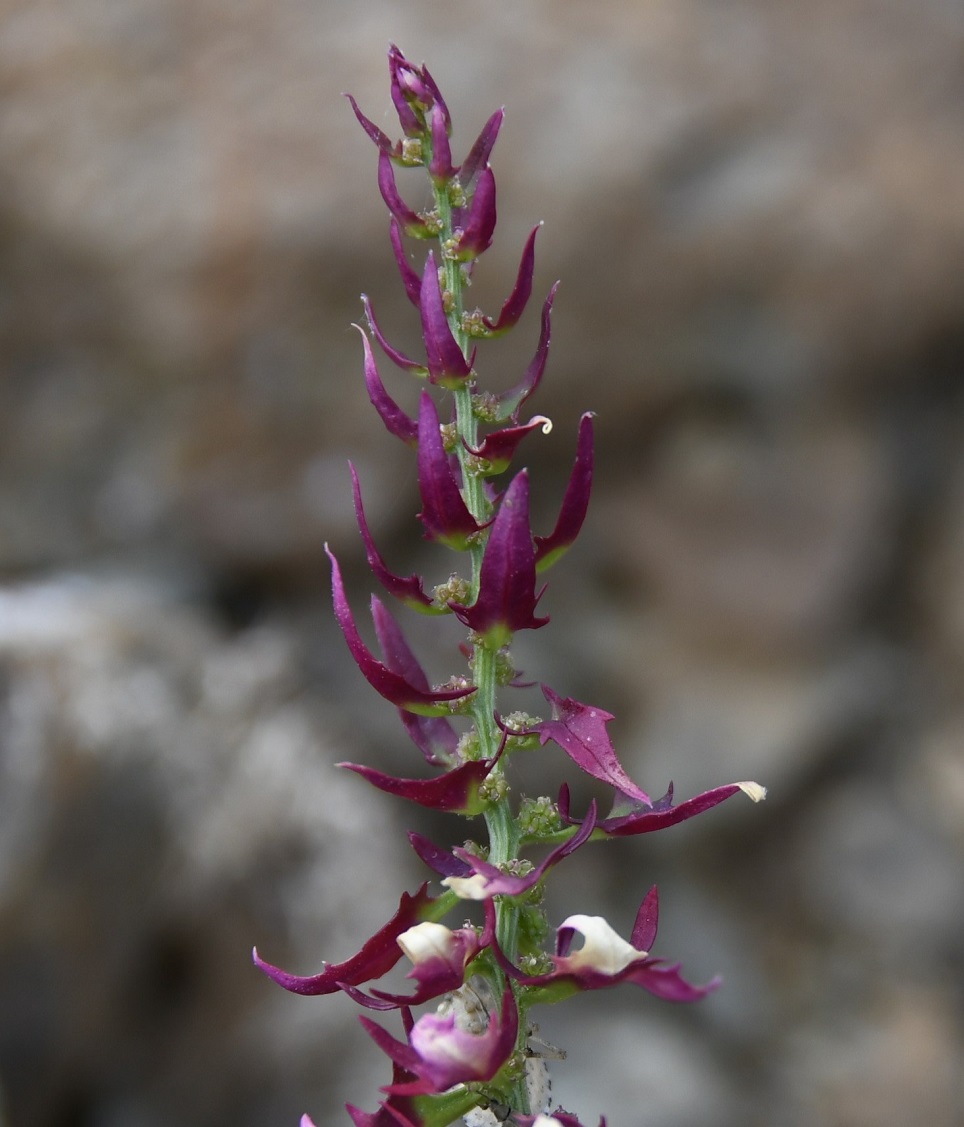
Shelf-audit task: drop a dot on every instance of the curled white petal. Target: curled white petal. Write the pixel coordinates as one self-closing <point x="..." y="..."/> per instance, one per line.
<point x="753" y="790"/>
<point x="426" y="941"/>
<point x="602" y="950"/>
<point x="468" y="888"/>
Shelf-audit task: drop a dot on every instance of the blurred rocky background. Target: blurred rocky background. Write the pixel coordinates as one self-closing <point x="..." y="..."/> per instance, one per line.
<point x="757" y="211"/>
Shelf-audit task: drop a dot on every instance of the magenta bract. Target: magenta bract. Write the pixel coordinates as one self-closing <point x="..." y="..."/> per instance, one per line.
<point x="391" y="685"/>
<point x="394" y="418"/>
<point x="629" y="816"/>
<point x="580" y="730"/>
<point x="479" y="224"/>
<point x="507" y="587"/>
<point x="481" y="150"/>
<point x="575" y="502"/>
<point x="410" y="221"/>
<point x="408" y="590"/>
<point x="498" y="447"/>
<point x="440" y="166"/>
<point x="376" y="957"/>
<point x="434" y="736"/>
<point x="410" y="278"/>
<point x="510" y="402"/>
<point x="447" y="366"/>
<point x="457" y="791"/>
<point x="444" y="514"/>
<point x="515" y="304"/>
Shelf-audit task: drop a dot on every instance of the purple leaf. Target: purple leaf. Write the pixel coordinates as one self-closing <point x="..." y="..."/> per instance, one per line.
<point x="580" y="730"/>
<point x="630" y="816"/>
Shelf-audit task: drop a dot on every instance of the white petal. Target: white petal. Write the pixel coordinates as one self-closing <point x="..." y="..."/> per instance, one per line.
<point x="426" y="941"/>
<point x="468" y="888"/>
<point x="602" y="949"/>
<point x="753" y="790"/>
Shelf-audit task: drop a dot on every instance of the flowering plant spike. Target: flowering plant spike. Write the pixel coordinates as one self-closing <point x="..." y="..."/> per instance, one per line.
<point x="471" y="1054"/>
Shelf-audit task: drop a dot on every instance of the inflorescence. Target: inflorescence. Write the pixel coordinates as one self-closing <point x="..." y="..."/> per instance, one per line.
<point x="474" y="1054"/>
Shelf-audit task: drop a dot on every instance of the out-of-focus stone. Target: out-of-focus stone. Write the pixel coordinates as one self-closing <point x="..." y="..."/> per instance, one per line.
<point x="641" y="1065"/>
<point x="892" y="1061"/>
<point x="185" y="233"/>
<point x="873" y="866"/>
<point x="167" y="799"/>
<point x="757" y="535"/>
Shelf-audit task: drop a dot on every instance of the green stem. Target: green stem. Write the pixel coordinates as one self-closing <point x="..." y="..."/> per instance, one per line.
<point x="499" y="818"/>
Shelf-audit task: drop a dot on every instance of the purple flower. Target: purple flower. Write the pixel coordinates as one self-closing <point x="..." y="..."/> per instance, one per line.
<point x="507" y="585"/>
<point x="481" y="881"/>
<point x="439" y="959"/>
<point x="558" y="1118"/>
<point x="376" y="957"/>
<point x="404" y="1111"/>
<point x="384" y="680"/>
<point x="440" y="1054"/>
<point x="605" y="959"/>
<point x="414" y="93"/>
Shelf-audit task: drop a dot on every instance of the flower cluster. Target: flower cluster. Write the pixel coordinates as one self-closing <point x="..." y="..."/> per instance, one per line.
<point x="473" y="1054"/>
